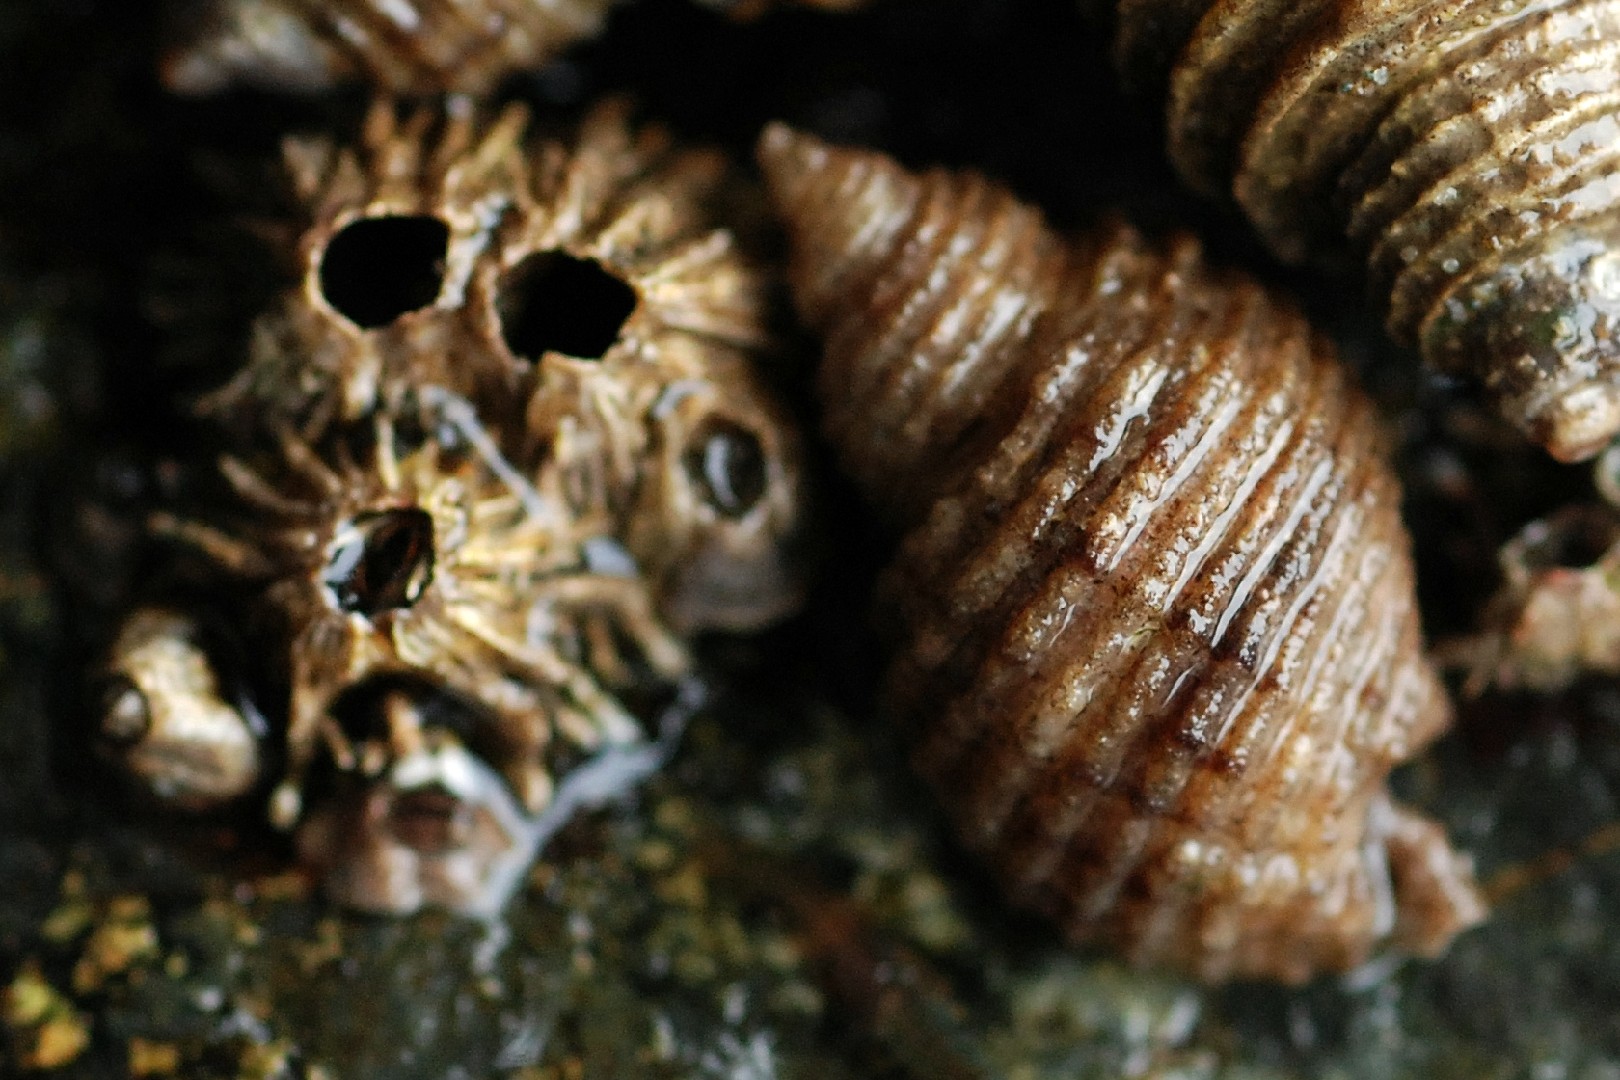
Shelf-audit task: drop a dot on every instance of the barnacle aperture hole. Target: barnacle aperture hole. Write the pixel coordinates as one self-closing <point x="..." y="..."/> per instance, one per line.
<point x="379" y="268"/>
<point x="553" y="302"/>
<point x="727" y="464"/>
<point x="425" y="820"/>
<point x="1571" y="541"/>
<point x="381" y="560"/>
<point x="126" y="716"/>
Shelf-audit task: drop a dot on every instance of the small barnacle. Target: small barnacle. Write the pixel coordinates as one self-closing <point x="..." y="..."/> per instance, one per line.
<point x="1465" y="149"/>
<point x="1556" y="615"/>
<point x="1155" y="638"/>
<point x="446" y="562"/>
<point x="405" y="47"/>
<point x="424" y="823"/>
<point x="167" y="716"/>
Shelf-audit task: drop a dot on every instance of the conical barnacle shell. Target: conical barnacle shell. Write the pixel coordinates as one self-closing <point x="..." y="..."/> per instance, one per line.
<point x="447" y="565"/>
<point x="405" y="46"/>
<point x="1156" y="640"/>
<point x="177" y="730"/>
<point x="1466" y="147"/>
<point x="449" y="250"/>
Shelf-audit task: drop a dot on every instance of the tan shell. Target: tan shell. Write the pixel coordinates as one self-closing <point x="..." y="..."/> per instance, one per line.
<point x="1155" y="635"/>
<point x="1466" y="148"/>
<point x="435" y="827"/>
<point x="417" y="47"/>
<point x="404" y="46"/>
<point x="174" y="729"/>
<point x="412" y="238"/>
<point x="451" y="568"/>
<point x="448" y="499"/>
<point x="1556" y="615"/>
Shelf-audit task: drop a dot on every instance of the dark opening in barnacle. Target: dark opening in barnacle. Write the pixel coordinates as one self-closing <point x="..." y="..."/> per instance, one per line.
<point x="553" y="302"/>
<point x="379" y="268"/>
<point x="380" y="561"/>
<point x="126" y="716"/>
<point x="727" y="464"/>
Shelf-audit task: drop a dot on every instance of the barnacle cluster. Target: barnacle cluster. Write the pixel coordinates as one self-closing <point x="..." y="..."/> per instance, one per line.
<point x="495" y="456"/>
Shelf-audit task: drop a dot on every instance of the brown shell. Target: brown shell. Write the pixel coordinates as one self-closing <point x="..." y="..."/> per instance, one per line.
<point x="417" y="47"/>
<point x="1466" y="148"/>
<point x="402" y="46"/>
<point x="1155" y="635"/>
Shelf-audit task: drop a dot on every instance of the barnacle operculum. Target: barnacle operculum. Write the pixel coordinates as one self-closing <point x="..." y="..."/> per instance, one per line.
<point x="380" y="560"/>
<point x="733" y="494"/>
<point x="167" y="719"/>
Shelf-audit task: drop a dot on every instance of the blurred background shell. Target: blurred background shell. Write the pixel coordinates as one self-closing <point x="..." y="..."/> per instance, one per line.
<point x="416" y="47"/>
<point x="1465" y="149"/>
<point x="1155" y="637"/>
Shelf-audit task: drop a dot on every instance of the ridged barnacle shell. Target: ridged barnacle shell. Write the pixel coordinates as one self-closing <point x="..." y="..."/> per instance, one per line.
<point x="1155" y="636"/>
<point x="443" y="564"/>
<point x="1466" y="149"/>
<point x="449" y="249"/>
<point x="408" y="46"/>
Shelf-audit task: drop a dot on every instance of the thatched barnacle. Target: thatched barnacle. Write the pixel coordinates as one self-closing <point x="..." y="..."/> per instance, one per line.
<point x="1156" y="642"/>
<point x="1465" y="148"/>
<point x="180" y="730"/>
<point x="446" y="563"/>
<point x="450" y="250"/>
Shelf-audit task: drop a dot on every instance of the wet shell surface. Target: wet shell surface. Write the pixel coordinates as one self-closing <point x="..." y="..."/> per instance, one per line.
<point x="1155" y="639"/>
<point x="506" y="443"/>
<point x="417" y="47"/>
<point x="1465" y="148"/>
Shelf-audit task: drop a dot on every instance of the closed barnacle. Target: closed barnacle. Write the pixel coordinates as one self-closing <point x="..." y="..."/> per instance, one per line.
<point x="179" y="731"/>
<point x="1155" y="639"/>
<point x="1464" y="148"/>
<point x="1556" y="614"/>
